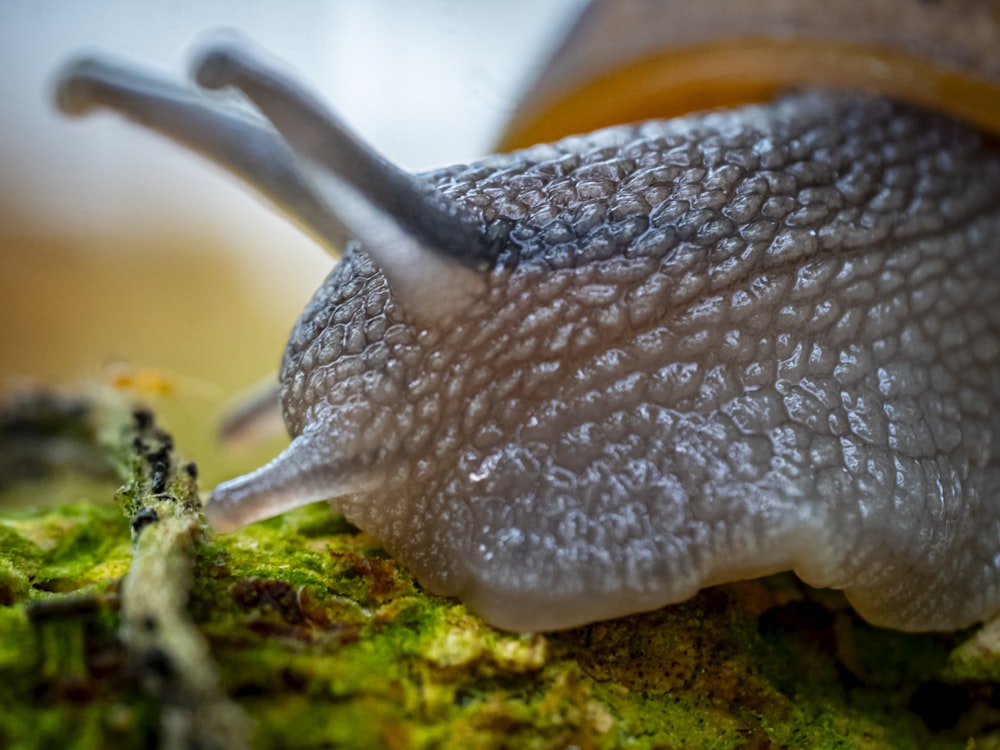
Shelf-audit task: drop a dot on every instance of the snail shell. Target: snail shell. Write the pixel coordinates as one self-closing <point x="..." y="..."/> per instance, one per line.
<point x="589" y="378"/>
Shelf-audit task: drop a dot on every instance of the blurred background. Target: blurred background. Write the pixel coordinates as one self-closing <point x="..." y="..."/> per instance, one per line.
<point x="129" y="262"/>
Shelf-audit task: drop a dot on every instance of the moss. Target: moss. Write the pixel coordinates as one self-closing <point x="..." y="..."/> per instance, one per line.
<point x="754" y="664"/>
<point x="81" y="545"/>
<point x="304" y="627"/>
<point x="63" y="681"/>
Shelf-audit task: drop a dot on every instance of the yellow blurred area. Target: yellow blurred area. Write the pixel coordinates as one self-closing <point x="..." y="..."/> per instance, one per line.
<point x="160" y="315"/>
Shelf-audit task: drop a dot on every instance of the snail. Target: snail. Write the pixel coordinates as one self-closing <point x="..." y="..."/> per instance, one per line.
<point x="589" y="378"/>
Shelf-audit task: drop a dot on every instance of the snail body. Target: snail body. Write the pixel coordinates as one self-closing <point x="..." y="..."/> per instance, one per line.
<point x="589" y="378"/>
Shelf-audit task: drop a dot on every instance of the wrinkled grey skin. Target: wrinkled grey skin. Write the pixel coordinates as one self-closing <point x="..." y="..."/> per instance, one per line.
<point x="722" y="346"/>
<point x="590" y="378"/>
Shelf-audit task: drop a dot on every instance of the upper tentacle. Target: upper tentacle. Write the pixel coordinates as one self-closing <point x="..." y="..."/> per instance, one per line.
<point x="232" y="137"/>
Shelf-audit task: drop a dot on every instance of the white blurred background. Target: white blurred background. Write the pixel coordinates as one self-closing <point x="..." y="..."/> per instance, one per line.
<point x="429" y="82"/>
<point x="121" y="253"/>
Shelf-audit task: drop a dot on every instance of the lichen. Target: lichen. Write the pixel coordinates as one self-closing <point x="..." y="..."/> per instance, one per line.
<point x="128" y="624"/>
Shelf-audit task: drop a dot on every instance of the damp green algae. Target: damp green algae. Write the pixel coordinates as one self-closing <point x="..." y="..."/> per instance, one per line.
<point x="60" y="685"/>
<point x="322" y="640"/>
<point x="69" y="548"/>
<point x="343" y="646"/>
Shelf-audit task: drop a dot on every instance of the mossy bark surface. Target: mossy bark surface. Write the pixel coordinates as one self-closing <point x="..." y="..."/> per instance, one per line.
<point x="124" y="622"/>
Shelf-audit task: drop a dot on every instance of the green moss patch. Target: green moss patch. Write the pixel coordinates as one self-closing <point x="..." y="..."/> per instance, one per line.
<point x="316" y="638"/>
